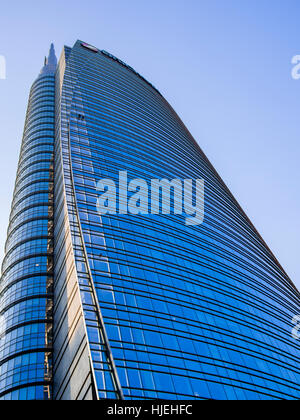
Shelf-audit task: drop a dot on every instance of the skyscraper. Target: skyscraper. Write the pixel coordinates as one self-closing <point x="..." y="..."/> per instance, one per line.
<point x="26" y="285"/>
<point x="122" y="305"/>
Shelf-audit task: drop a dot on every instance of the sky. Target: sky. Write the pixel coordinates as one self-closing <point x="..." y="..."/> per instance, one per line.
<point x="224" y="65"/>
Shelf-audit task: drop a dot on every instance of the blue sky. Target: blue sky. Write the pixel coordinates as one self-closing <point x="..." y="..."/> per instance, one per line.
<point x="224" y="65"/>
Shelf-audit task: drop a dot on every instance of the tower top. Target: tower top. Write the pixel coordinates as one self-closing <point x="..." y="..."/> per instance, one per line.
<point x="50" y="62"/>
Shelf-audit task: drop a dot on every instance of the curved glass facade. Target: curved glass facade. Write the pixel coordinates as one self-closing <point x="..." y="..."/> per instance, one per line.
<point x="132" y="306"/>
<point x="27" y="270"/>
<point x="184" y="312"/>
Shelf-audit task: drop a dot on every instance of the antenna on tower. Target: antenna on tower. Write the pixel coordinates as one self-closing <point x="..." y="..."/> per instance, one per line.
<point x="50" y="63"/>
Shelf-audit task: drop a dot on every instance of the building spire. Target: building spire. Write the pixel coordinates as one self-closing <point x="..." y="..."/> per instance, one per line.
<point x="50" y="62"/>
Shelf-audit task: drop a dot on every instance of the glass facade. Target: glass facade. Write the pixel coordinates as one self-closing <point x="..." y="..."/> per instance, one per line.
<point x="145" y="306"/>
<point x="188" y="312"/>
<point x="27" y="271"/>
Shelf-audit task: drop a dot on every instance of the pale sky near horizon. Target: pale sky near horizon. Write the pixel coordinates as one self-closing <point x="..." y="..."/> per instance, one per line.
<point x="225" y="67"/>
